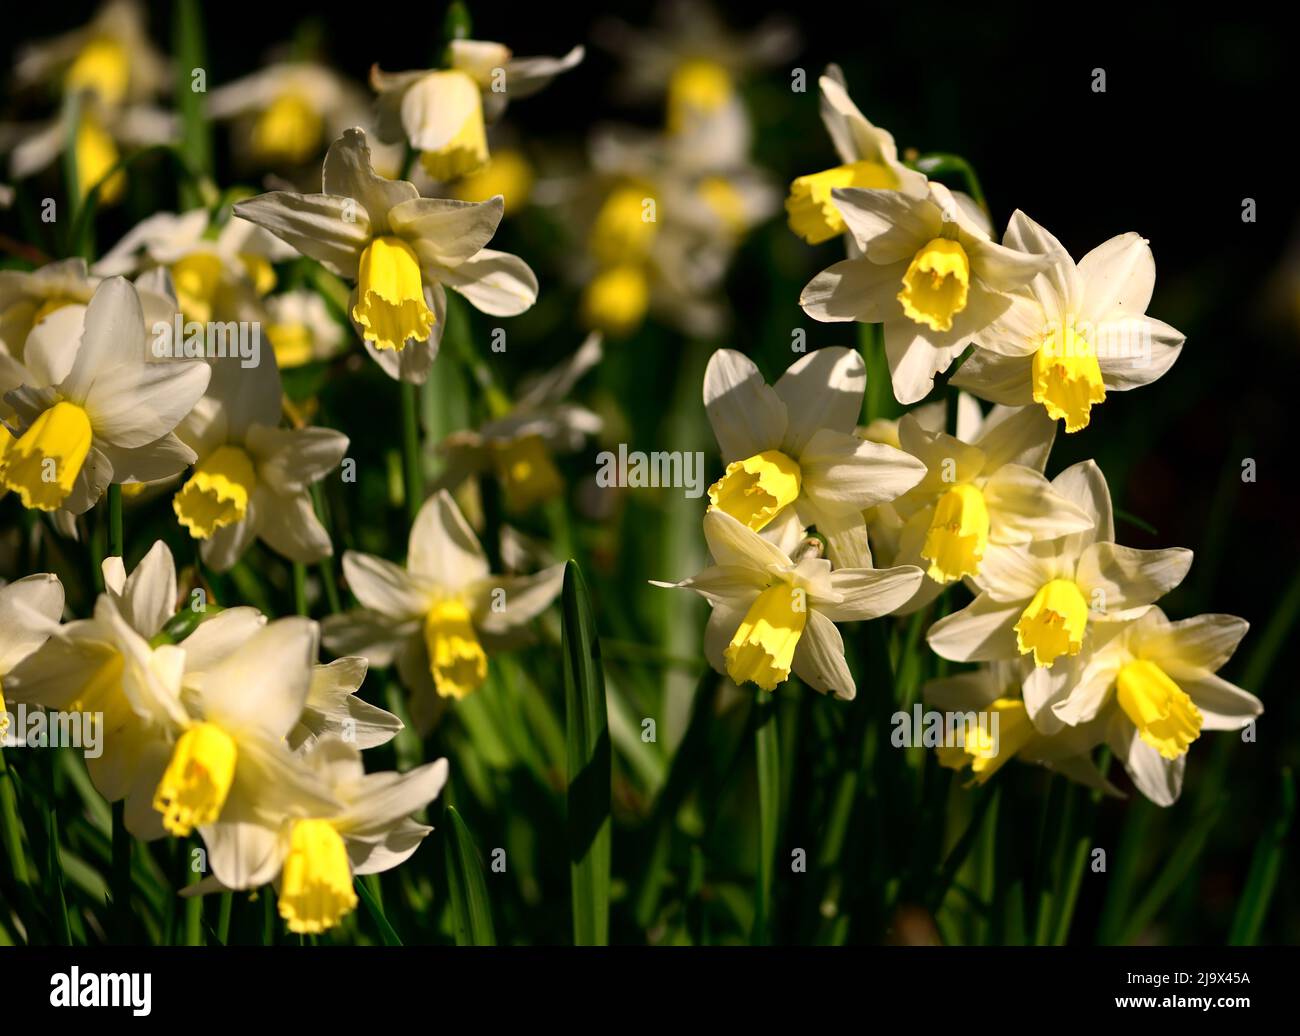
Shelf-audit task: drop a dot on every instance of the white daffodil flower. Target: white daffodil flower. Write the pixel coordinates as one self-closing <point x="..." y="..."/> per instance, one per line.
<point x="29" y="613"/>
<point x="252" y="479"/>
<point x="984" y="489"/>
<point x="333" y="708"/>
<point x="869" y="156"/>
<point x="286" y="111"/>
<point x="302" y="329"/>
<point x="977" y="699"/>
<point x="401" y="250"/>
<point x="1149" y="689"/>
<point x="229" y="760"/>
<point x="773" y="615"/>
<point x="1076" y="333"/>
<point x="107" y="665"/>
<point x="791" y="453"/>
<point x="442" y="113"/>
<point x="312" y="859"/>
<point x="110" y="56"/>
<point x="219" y="275"/>
<point x="440" y="615"/>
<point x="927" y="270"/>
<point x="1042" y="597"/>
<point x="519" y="444"/>
<point x="105" y="409"/>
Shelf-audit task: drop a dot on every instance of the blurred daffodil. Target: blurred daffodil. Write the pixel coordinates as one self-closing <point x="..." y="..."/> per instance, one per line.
<point x="442" y="113"/>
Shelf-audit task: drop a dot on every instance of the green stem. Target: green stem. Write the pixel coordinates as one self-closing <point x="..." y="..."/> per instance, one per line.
<point x="878" y="402"/>
<point x="12" y="827"/>
<point x="115" y="520"/>
<point x="223" y="918"/>
<point x="768" y="761"/>
<point x="412" y="460"/>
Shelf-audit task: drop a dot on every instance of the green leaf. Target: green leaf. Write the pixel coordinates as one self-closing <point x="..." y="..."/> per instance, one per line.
<point x="768" y="761"/>
<point x="588" y="764"/>
<point x="196" y="133"/>
<point x="373" y="907"/>
<point x="466" y="885"/>
<point x="1264" y="870"/>
<point x="1178" y="863"/>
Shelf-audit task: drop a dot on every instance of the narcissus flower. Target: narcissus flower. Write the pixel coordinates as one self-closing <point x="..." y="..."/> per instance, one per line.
<point x="984" y="488"/>
<point x="302" y="329"/>
<point x="1040" y="598"/>
<point x="313" y="858"/>
<point x="443" y="113"/>
<point x="519" y="445"/>
<point x="774" y="614"/>
<point x="29" y="612"/>
<point x="1077" y="332"/>
<point x="1149" y="688"/>
<point x="790" y="451"/>
<point x="107" y="409"/>
<point x="869" y="157"/>
<point x="285" y="112"/>
<point x="928" y="271"/>
<point x="229" y="760"/>
<point x="973" y="702"/>
<point x="401" y="250"/>
<point x="440" y="615"/>
<point x="219" y="273"/>
<point x="110" y="57"/>
<point x="252" y="478"/>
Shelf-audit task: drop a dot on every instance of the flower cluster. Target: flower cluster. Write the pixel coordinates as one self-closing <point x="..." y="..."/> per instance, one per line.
<point x="1074" y="650"/>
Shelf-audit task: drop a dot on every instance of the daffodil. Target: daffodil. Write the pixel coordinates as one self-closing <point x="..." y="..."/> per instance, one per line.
<point x="438" y="617"/>
<point x="774" y="614"/>
<point x="507" y="173"/>
<point x="443" y="113"/>
<point x="252" y="479"/>
<point x="219" y="273"/>
<point x="312" y="858"/>
<point x="29" y="612"/>
<point x="519" y="445"/>
<point x="791" y="454"/>
<point x="110" y="57"/>
<point x="868" y="155"/>
<point x="1077" y="332"/>
<point x="302" y="329"/>
<point x="927" y="270"/>
<point x="982" y="489"/>
<point x="107" y="410"/>
<point x="115" y="664"/>
<point x="285" y="112"/>
<point x="228" y="760"/>
<point x="1040" y="599"/>
<point x="401" y="250"/>
<point x="973" y="701"/>
<point x="1150" y="689"/>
